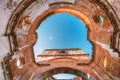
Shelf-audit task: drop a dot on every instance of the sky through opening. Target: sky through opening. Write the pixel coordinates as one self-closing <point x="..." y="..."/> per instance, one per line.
<point x="62" y="31"/>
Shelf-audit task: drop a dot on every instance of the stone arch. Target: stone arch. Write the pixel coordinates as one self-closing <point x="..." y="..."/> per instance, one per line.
<point x="68" y="10"/>
<point x="72" y="11"/>
<point x="65" y="70"/>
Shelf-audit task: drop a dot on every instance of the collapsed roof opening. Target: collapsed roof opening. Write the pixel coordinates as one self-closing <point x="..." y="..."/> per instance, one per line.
<point x="62" y="31"/>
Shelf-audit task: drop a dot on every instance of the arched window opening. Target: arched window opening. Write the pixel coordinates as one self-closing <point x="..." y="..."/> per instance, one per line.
<point x="62" y="53"/>
<point x="62" y="31"/>
<point x="65" y="74"/>
<point x="20" y="63"/>
<point x="99" y="19"/>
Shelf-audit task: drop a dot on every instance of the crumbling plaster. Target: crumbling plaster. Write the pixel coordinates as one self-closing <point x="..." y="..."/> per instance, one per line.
<point x="8" y="7"/>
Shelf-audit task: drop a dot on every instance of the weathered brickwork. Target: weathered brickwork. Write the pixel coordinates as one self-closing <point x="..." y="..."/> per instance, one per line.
<point x="23" y="22"/>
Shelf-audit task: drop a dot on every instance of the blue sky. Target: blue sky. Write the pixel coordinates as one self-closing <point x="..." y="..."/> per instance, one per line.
<point x="64" y="76"/>
<point x="60" y="31"/>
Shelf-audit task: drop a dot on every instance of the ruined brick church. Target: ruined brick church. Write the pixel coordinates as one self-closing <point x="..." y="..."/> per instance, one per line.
<point x="19" y="20"/>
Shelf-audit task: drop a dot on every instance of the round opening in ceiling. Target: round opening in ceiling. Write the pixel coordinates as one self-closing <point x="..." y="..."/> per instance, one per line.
<point x="62" y="31"/>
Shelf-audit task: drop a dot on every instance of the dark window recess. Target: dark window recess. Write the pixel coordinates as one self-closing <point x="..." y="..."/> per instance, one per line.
<point x="98" y="18"/>
<point x="62" y="53"/>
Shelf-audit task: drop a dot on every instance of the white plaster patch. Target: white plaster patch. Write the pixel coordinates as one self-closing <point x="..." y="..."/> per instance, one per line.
<point x="84" y="57"/>
<point x="1" y="73"/>
<point x="107" y="47"/>
<point x="21" y="31"/>
<point x="4" y="45"/>
<point x="35" y="9"/>
<point x="43" y="59"/>
<point x="38" y="7"/>
<point x="5" y="13"/>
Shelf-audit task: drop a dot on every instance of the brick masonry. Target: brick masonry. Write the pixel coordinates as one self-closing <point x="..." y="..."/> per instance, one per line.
<point x="97" y="32"/>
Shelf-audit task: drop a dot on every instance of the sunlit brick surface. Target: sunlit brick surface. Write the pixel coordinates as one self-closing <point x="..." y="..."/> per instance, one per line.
<point x="105" y="64"/>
